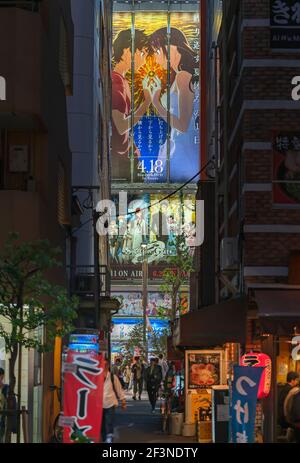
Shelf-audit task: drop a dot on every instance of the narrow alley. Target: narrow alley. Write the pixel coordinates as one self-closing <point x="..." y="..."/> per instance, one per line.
<point x="137" y="424"/>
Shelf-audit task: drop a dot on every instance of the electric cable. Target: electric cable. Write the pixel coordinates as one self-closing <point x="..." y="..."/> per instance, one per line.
<point x="160" y="200"/>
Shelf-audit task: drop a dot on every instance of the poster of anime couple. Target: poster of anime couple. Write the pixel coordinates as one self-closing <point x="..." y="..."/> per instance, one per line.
<point x="155" y="98"/>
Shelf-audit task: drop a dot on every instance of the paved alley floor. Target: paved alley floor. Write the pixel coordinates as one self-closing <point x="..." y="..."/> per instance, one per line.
<point x="137" y="424"/>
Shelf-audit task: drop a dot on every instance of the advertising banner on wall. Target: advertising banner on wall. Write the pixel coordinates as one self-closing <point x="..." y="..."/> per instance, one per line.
<point x="285" y="24"/>
<point x="132" y="303"/>
<point x="83" y="395"/>
<point x="149" y="220"/>
<point x="243" y="407"/>
<point x="148" y="145"/>
<point x="286" y="168"/>
<point x="204" y="369"/>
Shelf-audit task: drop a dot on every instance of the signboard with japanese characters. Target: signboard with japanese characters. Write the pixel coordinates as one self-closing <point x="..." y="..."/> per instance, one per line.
<point x="286" y="169"/>
<point x="285" y="24"/>
<point x="204" y="369"/>
<point x="83" y="395"/>
<point x="243" y="406"/>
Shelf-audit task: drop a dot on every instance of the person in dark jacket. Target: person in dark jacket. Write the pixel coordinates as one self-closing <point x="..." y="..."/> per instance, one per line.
<point x="291" y="381"/>
<point x="153" y="381"/>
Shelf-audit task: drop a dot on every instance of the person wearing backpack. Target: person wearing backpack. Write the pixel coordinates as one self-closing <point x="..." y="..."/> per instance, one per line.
<point x="3" y="404"/>
<point x="112" y="393"/>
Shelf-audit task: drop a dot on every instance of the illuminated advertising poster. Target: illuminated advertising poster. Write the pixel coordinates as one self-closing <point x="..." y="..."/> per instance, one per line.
<point x="155" y="97"/>
<point x="123" y="326"/>
<point x="152" y="222"/>
<point x="132" y="303"/>
<point x="286" y="169"/>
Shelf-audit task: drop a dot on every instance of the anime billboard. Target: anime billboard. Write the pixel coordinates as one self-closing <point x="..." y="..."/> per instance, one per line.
<point x="155" y="97"/>
<point x="152" y="222"/>
<point x="132" y="303"/>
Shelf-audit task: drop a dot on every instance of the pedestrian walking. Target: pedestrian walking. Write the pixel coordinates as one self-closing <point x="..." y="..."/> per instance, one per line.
<point x="112" y="393"/>
<point x="138" y="377"/>
<point x="169" y="380"/>
<point x="292" y="380"/>
<point x="117" y="370"/>
<point x="153" y="381"/>
<point x="126" y="376"/>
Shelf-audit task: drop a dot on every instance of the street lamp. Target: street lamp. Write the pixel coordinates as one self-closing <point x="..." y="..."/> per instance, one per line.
<point x="145" y="298"/>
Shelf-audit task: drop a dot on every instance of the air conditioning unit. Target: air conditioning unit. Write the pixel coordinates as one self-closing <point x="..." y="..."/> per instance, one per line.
<point x="229" y="254"/>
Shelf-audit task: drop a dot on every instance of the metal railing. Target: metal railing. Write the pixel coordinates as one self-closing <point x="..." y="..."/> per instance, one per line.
<point x="83" y="281"/>
<point x="29" y="5"/>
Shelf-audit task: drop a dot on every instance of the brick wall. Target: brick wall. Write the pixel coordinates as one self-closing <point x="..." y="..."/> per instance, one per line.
<point x="265" y="84"/>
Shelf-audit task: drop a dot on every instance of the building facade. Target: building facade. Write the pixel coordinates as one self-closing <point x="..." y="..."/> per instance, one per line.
<point x="36" y="56"/>
<point x="253" y="133"/>
<point x="154" y="165"/>
<point x="89" y="125"/>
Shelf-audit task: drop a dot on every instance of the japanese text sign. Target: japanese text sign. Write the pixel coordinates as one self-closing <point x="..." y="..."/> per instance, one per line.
<point x="243" y="407"/>
<point x="285" y="24"/>
<point x="83" y="395"/>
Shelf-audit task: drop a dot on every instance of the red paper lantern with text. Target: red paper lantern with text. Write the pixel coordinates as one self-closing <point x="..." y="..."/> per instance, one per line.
<point x="257" y="359"/>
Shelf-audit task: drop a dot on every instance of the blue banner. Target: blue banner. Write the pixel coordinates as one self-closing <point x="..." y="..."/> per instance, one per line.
<point x="243" y="406"/>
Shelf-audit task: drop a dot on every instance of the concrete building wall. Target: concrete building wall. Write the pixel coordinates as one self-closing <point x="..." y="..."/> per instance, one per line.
<point x="36" y="54"/>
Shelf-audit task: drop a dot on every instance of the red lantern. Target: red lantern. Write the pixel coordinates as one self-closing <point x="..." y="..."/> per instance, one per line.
<point x="257" y="359"/>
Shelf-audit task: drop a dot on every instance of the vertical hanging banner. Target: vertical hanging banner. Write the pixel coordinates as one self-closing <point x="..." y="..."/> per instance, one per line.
<point x="243" y="407"/>
<point x="83" y="395"/>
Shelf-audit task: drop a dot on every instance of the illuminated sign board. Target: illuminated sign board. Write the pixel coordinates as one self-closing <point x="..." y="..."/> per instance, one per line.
<point x="156" y="108"/>
<point x="154" y="222"/>
<point x="84" y="342"/>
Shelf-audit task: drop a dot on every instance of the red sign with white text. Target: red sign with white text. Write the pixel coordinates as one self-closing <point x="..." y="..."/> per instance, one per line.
<point x="83" y="395"/>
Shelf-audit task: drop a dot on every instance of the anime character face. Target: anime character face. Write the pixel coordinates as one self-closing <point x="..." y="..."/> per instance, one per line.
<point x="139" y="58"/>
<point x="162" y="60"/>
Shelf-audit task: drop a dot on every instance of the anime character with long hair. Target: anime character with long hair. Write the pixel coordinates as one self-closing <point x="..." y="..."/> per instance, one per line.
<point x="184" y="100"/>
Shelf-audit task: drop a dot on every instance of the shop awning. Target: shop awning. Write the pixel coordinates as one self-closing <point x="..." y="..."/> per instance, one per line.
<point x="278" y="310"/>
<point x="214" y="325"/>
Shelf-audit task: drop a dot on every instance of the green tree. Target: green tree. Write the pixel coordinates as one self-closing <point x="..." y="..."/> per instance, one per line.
<point x="157" y="341"/>
<point x="28" y="301"/>
<point x="180" y="266"/>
